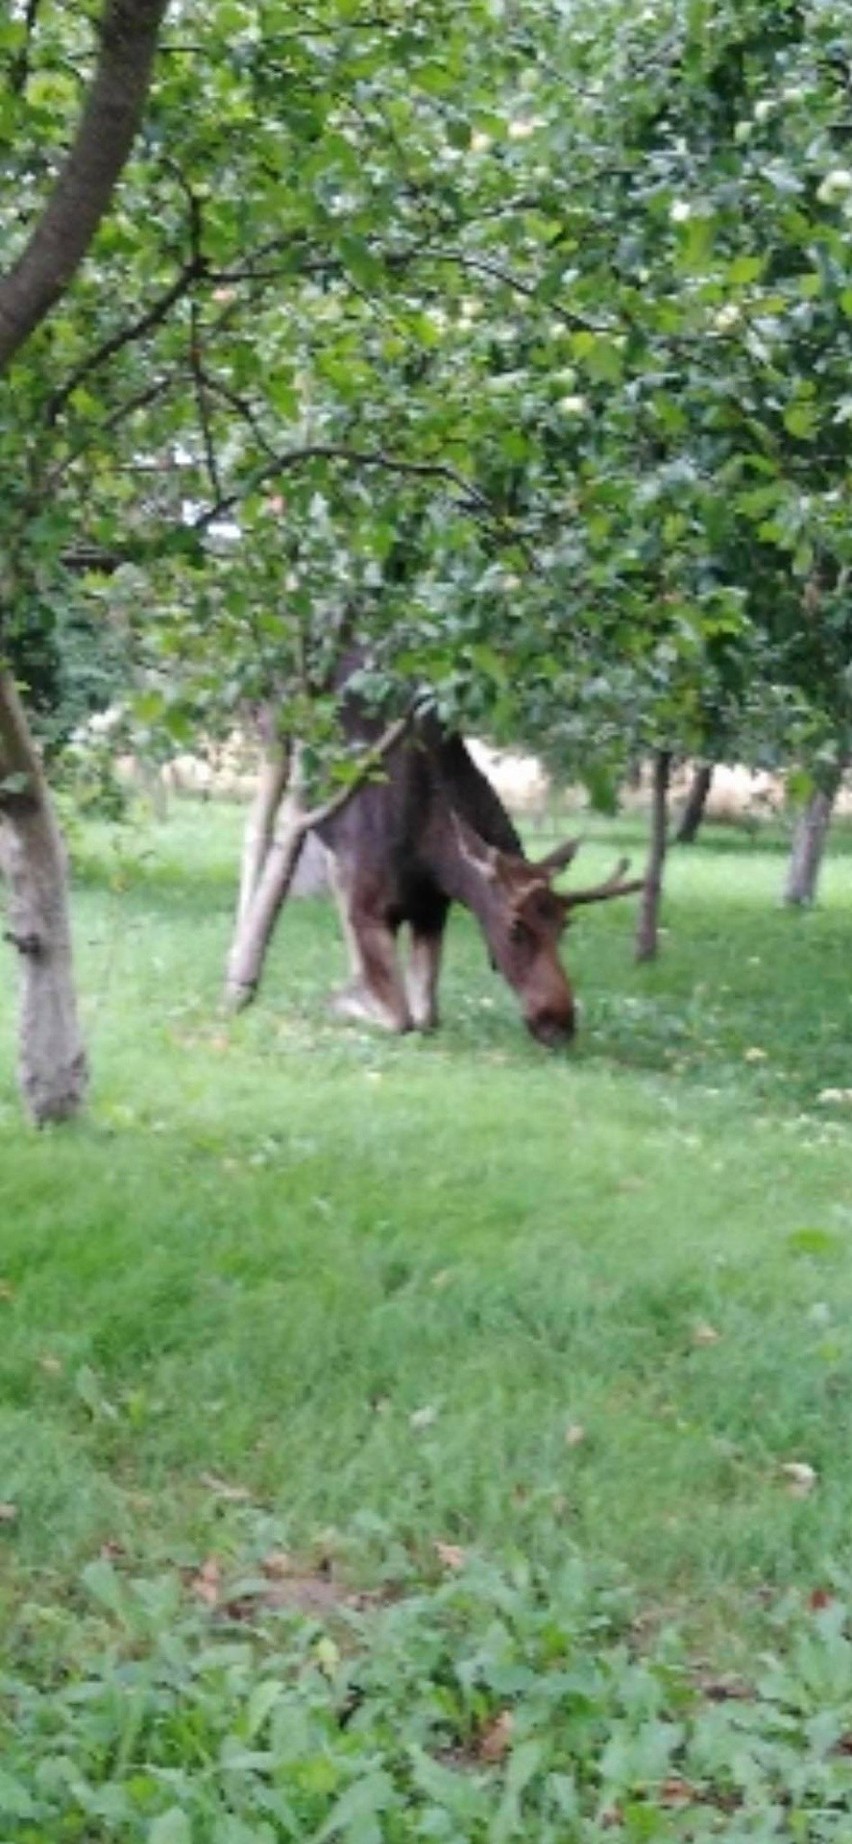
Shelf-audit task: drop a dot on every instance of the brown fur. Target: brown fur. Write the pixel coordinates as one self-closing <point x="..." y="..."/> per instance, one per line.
<point x="431" y="832"/>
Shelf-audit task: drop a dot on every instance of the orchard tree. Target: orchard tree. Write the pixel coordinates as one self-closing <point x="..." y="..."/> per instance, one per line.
<point x="52" y="241"/>
<point x="253" y="334"/>
<point x="674" y="365"/>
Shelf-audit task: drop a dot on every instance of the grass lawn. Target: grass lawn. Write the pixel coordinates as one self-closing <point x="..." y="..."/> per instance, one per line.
<point x="450" y="1317"/>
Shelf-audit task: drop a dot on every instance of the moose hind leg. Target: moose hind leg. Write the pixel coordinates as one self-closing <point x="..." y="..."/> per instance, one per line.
<point x="423" y="972"/>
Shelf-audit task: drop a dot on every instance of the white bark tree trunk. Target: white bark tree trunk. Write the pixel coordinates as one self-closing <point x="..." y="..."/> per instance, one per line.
<point x="809" y="842"/>
<point x="52" y="1064"/>
<point x="260" y="826"/>
<point x="267" y="875"/>
<point x="257" y="918"/>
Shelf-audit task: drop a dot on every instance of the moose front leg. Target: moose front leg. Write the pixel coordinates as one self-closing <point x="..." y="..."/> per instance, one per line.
<point x="376" y="993"/>
<point x="423" y="973"/>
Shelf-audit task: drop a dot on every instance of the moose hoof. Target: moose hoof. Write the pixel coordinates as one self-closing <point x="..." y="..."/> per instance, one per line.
<point x="355" y="1004"/>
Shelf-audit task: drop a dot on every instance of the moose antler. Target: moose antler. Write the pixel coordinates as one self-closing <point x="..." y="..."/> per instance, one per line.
<point x="614" y="885"/>
<point x="558" y="858"/>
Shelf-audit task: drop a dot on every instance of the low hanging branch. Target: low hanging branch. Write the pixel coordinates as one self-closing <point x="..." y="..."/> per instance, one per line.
<point x="259" y="910"/>
<point x="88" y="175"/>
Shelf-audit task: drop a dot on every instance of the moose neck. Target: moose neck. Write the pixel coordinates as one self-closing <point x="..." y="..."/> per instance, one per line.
<point x="466" y="882"/>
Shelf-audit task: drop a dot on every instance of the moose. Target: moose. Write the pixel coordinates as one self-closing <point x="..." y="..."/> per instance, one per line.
<point x="430" y="832"/>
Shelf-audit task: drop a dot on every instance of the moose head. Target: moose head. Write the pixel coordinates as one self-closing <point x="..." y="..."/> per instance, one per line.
<point x="523" y="918"/>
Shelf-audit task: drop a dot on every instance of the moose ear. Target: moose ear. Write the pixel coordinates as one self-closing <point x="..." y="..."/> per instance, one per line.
<point x="558" y="858"/>
<point x="485" y="858"/>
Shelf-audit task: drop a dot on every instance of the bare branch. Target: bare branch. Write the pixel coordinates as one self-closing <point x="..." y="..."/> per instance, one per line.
<point x="88" y="176"/>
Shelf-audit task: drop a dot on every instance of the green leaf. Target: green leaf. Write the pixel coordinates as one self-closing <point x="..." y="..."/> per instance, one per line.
<point x="172" y="1827"/>
<point x="802" y="421"/>
<point x="361" y="1802"/>
<point x="15" y="1801"/>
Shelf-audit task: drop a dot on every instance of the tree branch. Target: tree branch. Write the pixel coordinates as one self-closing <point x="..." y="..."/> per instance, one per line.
<point x="471" y="496"/>
<point x="200" y="388"/>
<point x="21" y="67"/>
<point x="373" y="758"/>
<point x="481" y="265"/>
<point x="126" y="336"/>
<point x="89" y="173"/>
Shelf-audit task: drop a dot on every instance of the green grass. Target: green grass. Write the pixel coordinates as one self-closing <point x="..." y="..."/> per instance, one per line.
<point x="274" y="1241"/>
<point x="393" y="1294"/>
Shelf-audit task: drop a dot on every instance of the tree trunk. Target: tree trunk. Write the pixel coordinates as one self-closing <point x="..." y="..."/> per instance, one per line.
<point x="647" y="930"/>
<point x="52" y="1061"/>
<point x="260" y="826"/>
<point x="86" y="178"/>
<point x="260" y="902"/>
<point x="695" y="805"/>
<point x="809" y="842"/>
<point x="256" y="923"/>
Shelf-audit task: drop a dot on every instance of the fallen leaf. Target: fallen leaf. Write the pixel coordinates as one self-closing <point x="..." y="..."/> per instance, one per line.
<point x="496" y="1739"/>
<point x="820" y="1598"/>
<point x="704" y="1334"/>
<point x="50" y="1365"/>
<point x="451" y="1555"/>
<point x="207" y="1582"/>
<point x="755" y="1055"/>
<point x="8" y="1513"/>
<point x="7" y="1291"/>
<point x="575" y="1434"/>
<point x="801" y="1478"/>
<point x="829" y="1095"/>
<point x="277" y="1564"/>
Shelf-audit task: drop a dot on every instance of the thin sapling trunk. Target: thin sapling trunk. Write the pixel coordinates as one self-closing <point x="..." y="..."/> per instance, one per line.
<point x="648" y="927"/>
<point x="695" y="805"/>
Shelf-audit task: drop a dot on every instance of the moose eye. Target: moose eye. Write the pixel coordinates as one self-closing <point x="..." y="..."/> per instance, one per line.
<point x="518" y="931"/>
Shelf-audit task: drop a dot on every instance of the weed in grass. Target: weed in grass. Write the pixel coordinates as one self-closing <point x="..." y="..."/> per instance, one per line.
<point x="487" y="1706"/>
